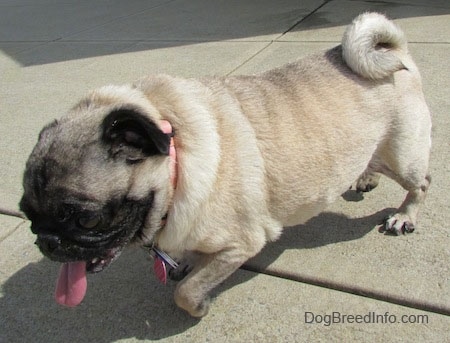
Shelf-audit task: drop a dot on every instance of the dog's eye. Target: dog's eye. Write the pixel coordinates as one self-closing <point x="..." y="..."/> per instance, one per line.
<point x="89" y="222"/>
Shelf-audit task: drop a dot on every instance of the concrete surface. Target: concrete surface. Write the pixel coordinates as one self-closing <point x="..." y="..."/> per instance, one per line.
<point x="52" y="52"/>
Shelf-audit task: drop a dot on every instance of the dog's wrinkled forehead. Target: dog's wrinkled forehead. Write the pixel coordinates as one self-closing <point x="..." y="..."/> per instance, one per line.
<point x="66" y="136"/>
<point x="60" y="147"/>
<point x="69" y="157"/>
<point x="94" y="149"/>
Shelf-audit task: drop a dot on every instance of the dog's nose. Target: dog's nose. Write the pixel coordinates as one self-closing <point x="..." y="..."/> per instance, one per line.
<point x="48" y="243"/>
<point x="41" y="226"/>
<point x="35" y="228"/>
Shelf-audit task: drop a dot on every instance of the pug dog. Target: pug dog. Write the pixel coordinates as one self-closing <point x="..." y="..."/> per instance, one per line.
<point x="213" y="168"/>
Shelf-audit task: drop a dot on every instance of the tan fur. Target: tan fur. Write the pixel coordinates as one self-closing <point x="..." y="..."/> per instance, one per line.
<point x="257" y="153"/>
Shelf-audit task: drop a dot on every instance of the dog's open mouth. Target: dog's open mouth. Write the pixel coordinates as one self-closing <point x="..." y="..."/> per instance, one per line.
<point x="81" y="253"/>
<point x="97" y="264"/>
<point x="71" y="285"/>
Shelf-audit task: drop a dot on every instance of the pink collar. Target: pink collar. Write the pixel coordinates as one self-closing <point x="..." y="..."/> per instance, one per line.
<point x="161" y="259"/>
<point x="167" y="129"/>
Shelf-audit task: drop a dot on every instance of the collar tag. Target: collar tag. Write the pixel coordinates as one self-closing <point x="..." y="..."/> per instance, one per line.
<point x="159" y="267"/>
<point x="161" y="259"/>
<point x="166" y="258"/>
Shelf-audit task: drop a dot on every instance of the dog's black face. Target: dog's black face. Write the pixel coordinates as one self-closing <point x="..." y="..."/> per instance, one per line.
<point x="80" y="230"/>
<point x="77" y="181"/>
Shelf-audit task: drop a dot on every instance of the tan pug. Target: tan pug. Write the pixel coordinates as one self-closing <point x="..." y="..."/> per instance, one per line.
<point x="249" y="156"/>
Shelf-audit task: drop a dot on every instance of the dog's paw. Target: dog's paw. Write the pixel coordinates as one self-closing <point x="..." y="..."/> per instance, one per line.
<point x="397" y="224"/>
<point x="367" y="182"/>
<point x="202" y="309"/>
<point x="189" y="300"/>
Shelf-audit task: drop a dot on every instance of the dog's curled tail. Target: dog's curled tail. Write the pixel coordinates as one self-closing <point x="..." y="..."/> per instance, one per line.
<point x="373" y="46"/>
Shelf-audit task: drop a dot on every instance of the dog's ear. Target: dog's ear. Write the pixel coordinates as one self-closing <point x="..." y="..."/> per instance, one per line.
<point x="133" y="136"/>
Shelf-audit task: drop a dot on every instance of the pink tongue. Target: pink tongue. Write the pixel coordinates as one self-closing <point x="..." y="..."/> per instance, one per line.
<point x="71" y="284"/>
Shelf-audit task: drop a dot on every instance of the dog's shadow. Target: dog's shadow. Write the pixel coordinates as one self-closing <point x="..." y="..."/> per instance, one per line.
<point x="127" y="301"/>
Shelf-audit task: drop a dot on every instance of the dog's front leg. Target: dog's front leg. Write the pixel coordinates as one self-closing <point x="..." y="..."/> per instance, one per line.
<point x="191" y="293"/>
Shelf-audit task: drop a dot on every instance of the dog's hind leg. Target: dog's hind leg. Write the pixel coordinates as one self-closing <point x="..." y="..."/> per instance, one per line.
<point x="405" y="219"/>
<point x="404" y="157"/>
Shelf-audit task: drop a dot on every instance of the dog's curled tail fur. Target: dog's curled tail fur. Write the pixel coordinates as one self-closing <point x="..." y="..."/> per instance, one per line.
<point x="373" y="46"/>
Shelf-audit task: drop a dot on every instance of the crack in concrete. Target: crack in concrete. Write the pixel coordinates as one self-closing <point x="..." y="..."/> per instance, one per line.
<point x="355" y="290"/>
<point x="281" y="35"/>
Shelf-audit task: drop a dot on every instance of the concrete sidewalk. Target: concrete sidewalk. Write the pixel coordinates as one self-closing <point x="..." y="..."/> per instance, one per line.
<point x="336" y="265"/>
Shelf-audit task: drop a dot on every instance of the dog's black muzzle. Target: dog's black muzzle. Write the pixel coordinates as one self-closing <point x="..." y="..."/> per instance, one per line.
<point x="95" y="237"/>
<point x="96" y="255"/>
<point x="63" y="249"/>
